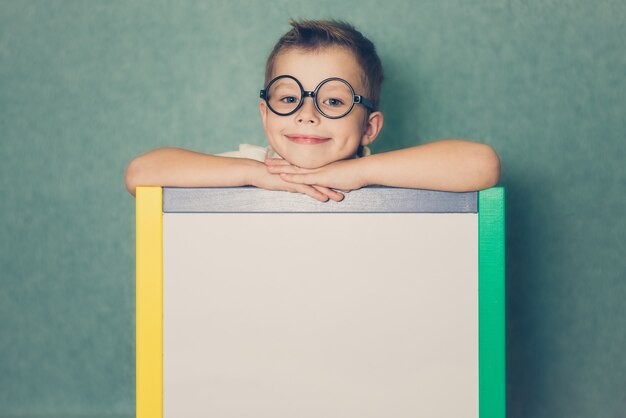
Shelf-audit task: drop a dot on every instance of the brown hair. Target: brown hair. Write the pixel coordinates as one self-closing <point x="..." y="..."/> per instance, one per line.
<point x="312" y="35"/>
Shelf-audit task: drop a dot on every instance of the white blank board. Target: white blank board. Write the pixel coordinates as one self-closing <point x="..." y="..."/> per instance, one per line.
<point x="296" y="315"/>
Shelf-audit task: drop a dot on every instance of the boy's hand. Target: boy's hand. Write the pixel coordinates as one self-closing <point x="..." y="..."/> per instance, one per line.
<point x="265" y="180"/>
<point x="342" y="175"/>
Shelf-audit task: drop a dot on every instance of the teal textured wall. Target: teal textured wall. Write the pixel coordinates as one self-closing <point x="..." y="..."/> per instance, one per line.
<point x="85" y="86"/>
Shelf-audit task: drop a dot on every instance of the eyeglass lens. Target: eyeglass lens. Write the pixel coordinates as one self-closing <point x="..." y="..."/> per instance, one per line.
<point x="334" y="98"/>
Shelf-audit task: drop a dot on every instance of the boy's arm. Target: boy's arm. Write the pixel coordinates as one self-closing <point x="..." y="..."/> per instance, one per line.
<point x="182" y="168"/>
<point x="448" y="165"/>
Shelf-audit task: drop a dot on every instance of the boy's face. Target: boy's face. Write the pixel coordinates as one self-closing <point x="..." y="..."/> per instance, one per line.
<point x="306" y="138"/>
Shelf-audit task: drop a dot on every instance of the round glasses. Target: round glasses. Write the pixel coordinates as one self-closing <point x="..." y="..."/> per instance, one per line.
<point x="334" y="97"/>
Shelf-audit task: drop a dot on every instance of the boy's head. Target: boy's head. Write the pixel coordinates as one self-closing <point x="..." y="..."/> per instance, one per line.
<point x="311" y="52"/>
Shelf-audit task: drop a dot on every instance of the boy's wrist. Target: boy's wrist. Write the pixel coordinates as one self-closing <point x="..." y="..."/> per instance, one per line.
<point x="367" y="170"/>
<point x="253" y="171"/>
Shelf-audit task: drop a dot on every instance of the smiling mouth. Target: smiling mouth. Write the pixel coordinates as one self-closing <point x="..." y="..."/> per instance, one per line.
<point x="307" y="139"/>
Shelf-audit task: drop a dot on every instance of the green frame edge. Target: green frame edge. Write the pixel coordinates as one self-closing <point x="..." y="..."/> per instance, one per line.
<point x="491" y="304"/>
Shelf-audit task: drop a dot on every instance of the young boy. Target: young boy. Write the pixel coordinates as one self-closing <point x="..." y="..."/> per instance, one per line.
<point x="320" y="112"/>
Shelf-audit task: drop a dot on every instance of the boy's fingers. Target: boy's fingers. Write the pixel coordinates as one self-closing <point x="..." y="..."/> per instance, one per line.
<point x="336" y="196"/>
<point x="314" y="193"/>
<point x="286" y="169"/>
<point x="306" y="179"/>
<point x="276" y="161"/>
<point x="298" y="178"/>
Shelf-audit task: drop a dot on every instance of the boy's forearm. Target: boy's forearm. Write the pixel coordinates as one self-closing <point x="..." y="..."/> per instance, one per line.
<point x="449" y="165"/>
<point x="182" y="168"/>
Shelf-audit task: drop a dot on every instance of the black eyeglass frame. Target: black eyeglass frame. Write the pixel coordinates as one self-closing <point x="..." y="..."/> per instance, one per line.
<point x="356" y="99"/>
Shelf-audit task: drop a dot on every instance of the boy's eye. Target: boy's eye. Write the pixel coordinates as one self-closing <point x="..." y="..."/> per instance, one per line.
<point x="333" y="102"/>
<point x="289" y="99"/>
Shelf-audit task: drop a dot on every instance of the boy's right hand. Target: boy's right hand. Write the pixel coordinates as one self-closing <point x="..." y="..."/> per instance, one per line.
<point x="260" y="177"/>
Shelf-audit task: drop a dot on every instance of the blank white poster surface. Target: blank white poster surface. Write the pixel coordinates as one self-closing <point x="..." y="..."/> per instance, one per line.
<point x="301" y="315"/>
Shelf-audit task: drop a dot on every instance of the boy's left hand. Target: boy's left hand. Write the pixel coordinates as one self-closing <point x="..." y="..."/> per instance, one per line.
<point x="340" y="175"/>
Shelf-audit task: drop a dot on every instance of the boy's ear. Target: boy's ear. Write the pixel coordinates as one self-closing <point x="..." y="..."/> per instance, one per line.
<point x="372" y="127"/>
<point x="263" y="110"/>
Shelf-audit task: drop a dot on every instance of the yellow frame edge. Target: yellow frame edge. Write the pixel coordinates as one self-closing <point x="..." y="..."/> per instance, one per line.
<point x="149" y="303"/>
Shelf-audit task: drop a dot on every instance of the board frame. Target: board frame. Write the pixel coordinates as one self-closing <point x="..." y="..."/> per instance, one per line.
<point x="152" y="202"/>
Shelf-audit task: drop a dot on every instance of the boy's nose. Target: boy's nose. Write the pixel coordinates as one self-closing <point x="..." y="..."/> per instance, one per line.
<point x="307" y="113"/>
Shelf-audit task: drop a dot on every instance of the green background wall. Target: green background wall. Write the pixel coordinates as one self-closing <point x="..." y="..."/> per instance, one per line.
<point x="85" y="86"/>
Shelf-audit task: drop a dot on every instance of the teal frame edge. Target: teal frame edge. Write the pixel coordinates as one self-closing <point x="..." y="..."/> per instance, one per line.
<point x="491" y="304"/>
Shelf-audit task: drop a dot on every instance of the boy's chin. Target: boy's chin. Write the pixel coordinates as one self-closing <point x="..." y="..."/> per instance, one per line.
<point x="309" y="163"/>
